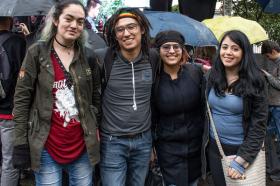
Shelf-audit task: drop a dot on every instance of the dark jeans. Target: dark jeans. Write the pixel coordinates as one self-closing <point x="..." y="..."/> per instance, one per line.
<point x="273" y="144"/>
<point x="214" y="160"/>
<point x="125" y="160"/>
<point x="274" y="121"/>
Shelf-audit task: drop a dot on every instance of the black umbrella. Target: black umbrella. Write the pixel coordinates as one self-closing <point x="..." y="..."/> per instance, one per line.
<point x="194" y="32"/>
<point x="13" y="8"/>
<point x="270" y="6"/>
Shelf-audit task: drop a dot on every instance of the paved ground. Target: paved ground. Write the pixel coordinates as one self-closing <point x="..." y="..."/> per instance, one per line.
<point x="29" y="181"/>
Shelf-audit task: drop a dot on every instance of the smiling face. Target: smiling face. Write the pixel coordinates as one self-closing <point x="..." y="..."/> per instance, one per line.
<point x="128" y="34"/>
<point x="171" y="53"/>
<point x="230" y="53"/>
<point x="70" y="23"/>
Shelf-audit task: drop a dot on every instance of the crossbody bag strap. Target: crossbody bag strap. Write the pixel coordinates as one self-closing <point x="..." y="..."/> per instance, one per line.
<point x="215" y="131"/>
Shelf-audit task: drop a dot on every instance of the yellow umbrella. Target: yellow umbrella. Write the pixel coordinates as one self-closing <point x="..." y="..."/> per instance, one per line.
<point x="253" y="30"/>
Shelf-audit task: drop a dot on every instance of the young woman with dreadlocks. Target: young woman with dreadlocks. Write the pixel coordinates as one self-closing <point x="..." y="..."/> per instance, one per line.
<point x="129" y="72"/>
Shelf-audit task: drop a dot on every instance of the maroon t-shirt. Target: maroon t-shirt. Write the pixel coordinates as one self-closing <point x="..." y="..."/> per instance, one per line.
<point x="65" y="142"/>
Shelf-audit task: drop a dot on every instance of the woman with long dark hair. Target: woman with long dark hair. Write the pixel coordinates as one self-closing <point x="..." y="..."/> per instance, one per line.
<point x="58" y="89"/>
<point x="237" y="97"/>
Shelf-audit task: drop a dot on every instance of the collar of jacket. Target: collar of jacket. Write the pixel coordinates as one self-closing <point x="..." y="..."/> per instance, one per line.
<point x="137" y="59"/>
<point x="45" y="52"/>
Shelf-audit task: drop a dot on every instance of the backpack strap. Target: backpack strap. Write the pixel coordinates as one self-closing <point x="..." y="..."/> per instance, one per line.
<point x="105" y="57"/>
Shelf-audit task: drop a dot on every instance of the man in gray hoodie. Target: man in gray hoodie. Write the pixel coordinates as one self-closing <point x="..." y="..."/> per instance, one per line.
<point x="128" y="76"/>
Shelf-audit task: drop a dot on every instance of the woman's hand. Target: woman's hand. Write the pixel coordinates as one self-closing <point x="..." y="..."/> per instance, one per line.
<point x="24" y="29"/>
<point x="237" y="167"/>
<point x="205" y="68"/>
<point x="234" y="174"/>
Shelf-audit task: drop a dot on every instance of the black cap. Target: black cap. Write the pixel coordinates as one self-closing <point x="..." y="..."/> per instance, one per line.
<point x="169" y="36"/>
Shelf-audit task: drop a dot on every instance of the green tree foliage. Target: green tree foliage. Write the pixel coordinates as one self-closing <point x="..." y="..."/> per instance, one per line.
<point x="175" y="8"/>
<point x="108" y="8"/>
<point x="250" y="9"/>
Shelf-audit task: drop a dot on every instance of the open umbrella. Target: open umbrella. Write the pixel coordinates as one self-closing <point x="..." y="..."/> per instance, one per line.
<point x="253" y="30"/>
<point x="270" y="6"/>
<point x="25" y="7"/>
<point x="195" y="33"/>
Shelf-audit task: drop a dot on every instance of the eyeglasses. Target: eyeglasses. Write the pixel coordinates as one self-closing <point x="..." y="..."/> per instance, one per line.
<point x="167" y="47"/>
<point x="131" y="28"/>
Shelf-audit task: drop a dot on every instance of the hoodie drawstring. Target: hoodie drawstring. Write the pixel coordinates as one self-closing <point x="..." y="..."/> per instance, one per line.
<point x="133" y="84"/>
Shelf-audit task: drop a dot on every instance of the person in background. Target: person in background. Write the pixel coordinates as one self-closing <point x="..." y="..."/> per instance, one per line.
<point x="13" y="46"/>
<point x="179" y="120"/>
<point x="94" y="40"/>
<point x="93" y="7"/>
<point x="271" y="50"/>
<point x="196" y="9"/>
<point x="237" y="96"/>
<point x="57" y="101"/>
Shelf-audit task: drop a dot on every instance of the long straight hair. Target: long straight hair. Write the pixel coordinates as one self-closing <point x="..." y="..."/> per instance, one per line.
<point x="251" y="80"/>
<point x="50" y="30"/>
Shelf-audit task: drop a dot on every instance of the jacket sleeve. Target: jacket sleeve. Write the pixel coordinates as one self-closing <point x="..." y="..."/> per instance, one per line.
<point x="256" y="129"/>
<point x="273" y="81"/>
<point x="23" y="98"/>
<point x="96" y="96"/>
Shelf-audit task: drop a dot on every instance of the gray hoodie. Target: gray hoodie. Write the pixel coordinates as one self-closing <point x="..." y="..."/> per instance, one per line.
<point x="126" y="99"/>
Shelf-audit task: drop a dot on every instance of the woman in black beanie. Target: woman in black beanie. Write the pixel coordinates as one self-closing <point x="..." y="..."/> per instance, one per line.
<point x="179" y="113"/>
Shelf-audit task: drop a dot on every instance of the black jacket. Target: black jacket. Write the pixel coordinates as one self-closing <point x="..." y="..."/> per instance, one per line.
<point x="15" y="46"/>
<point x="255" y="113"/>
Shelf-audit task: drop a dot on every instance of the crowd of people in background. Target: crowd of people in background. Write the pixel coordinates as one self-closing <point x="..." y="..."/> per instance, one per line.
<point x="97" y="108"/>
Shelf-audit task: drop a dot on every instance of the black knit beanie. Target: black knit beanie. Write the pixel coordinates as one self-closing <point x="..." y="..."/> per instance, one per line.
<point x="169" y="36"/>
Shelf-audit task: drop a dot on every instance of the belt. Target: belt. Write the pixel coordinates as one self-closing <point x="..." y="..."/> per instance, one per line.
<point x="131" y="136"/>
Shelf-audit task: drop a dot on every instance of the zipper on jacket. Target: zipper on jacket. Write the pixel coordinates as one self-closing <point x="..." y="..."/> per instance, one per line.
<point x="82" y="112"/>
<point x="133" y="85"/>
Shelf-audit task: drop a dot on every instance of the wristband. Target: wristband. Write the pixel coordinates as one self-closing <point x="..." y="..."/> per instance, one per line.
<point x="235" y="165"/>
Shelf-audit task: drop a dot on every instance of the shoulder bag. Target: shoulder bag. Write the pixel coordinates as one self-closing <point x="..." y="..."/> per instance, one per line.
<point x="254" y="174"/>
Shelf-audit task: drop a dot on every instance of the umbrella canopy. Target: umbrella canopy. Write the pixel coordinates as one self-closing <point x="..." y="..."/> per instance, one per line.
<point x="253" y="30"/>
<point x="270" y="6"/>
<point x="195" y="33"/>
<point x="13" y="8"/>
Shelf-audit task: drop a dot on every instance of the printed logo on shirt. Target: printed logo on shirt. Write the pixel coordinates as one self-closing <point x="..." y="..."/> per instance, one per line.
<point x="65" y="102"/>
<point x="147" y="75"/>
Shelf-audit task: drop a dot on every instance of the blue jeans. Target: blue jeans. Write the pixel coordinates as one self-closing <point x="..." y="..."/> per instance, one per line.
<point x="125" y="160"/>
<point x="274" y="122"/>
<point x="80" y="171"/>
<point x="9" y="175"/>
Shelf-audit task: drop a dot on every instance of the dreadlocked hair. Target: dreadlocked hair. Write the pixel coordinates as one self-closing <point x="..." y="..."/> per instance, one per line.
<point x="109" y="28"/>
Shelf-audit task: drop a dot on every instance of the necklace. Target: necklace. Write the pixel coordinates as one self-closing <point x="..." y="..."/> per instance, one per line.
<point x="69" y="80"/>
<point x="68" y="48"/>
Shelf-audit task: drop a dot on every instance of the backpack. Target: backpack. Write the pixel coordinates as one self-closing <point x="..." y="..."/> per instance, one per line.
<point x="5" y="66"/>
